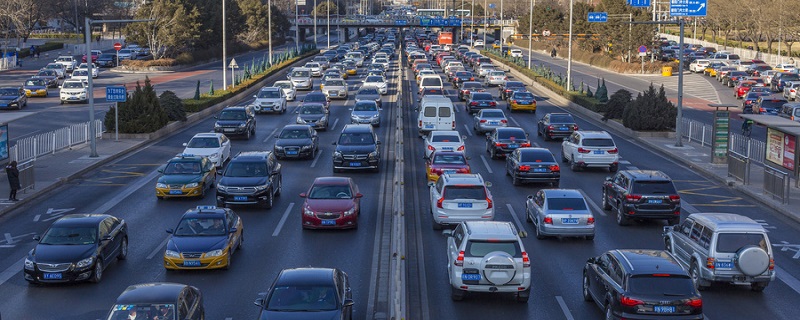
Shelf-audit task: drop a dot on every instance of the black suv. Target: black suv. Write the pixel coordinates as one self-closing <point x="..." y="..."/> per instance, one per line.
<point x="641" y="284"/>
<point x="236" y="121"/>
<point x="357" y="148"/>
<point x="642" y="194"/>
<point x="554" y="125"/>
<point x="503" y="141"/>
<point x="250" y="178"/>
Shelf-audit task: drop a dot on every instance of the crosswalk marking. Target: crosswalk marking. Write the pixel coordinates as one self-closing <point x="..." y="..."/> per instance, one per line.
<point x="695" y="85"/>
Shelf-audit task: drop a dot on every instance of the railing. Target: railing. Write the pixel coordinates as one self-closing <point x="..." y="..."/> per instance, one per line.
<point x="776" y="184"/>
<point x="8" y="63"/>
<point x="739" y="167"/>
<point x="65" y="138"/>
<point x="410" y="21"/>
<point x="699" y="132"/>
<point x="26" y="175"/>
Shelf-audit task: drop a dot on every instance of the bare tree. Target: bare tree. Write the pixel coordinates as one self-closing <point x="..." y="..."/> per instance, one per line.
<point x="20" y="16"/>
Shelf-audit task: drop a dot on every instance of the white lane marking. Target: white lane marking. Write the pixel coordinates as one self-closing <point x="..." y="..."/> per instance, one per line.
<point x="9" y="238"/>
<point x="158" y="249"/>
<point x="126" y="193"/>
<point x="788" y="279"/>
<point x="319" y="155"/>
<point x="270" y="135"/>
<point x="228" y="318"/>
<point x="624" y="162"/>
<point x="633" y="168"/>
<point x="36" y="217"/>
<point x="591" y="203"/>
<point x="334" y="124"/>
<point x="486" y="163"/>
<point x="12" y="270"/>
<point x="515" y="122"/>
<point x="564" y="308"/>
<point x="468" y="130"/>
<point x="520" y="226"/>
<point x="283" y="219"/>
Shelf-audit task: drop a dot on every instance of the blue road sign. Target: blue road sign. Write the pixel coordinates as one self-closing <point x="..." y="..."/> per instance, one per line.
<point x="642" y="49"/>
<point x="439" y="22"/>
<point x="491" y="6"/>
<point x="401" y="22"/>
<point x="639" y="3"/>
<point x="598" y="17"/>
<point x="116" y="94"/>
<point x="688" y="8"/>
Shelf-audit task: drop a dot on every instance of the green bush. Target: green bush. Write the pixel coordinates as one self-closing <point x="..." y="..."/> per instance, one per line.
<point x="650" y="111"/>
<point x="172" y="105"/>
<point x="142" y="113"/>
<point x="616" y="104"/>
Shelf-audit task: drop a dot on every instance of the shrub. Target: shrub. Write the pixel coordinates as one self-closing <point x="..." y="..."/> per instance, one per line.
<point x="172" y="105"/>
<point x="616" y="104"/>
<point x="650" y="110"/>
<point x="142" y="113"/>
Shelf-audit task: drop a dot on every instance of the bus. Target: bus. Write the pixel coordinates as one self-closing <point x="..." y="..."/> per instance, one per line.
<point x="430" y="13"/>
<point x="463" y="13"/>
<point x="445" y="38"/>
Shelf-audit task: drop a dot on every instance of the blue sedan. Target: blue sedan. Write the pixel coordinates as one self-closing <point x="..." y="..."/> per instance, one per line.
<point x="13" y="98"/>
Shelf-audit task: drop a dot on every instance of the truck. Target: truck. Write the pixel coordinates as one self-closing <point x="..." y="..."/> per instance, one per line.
<point x="445" y="38"/>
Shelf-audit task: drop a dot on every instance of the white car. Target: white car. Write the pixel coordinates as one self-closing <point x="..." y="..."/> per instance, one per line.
<point x="699" y="65"/>
<point x="73" y="91"/>
<point x="68" y="62"/>
<point x="495" y="78"/>
<point x="129" y="54"/>
<point x="443" y="140"/>
<point x="316" y="69"/>
<point x="80" y="74"/>
<point x="382" y="61"/>
<point x="786" y="67"/>
<point x="594" y="149"/>
<point x="458" y="197"/>
<point x="288" y="89"/>
<point x="270" y="99"/>
<point x="378" y="82"/>
<point x="215" y="146"/>
<point x="516" y="53"/>
<point x="479" y="43"/>
<point x="425" y="73"/>
<point x="95" y="69"/>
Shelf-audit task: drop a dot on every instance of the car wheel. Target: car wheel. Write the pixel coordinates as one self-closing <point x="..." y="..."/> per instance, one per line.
<point x="97" y="274"/>
<point x="758" y="286"/>
<point x="515" y="180"/>
<point x="586" y="295"/>
<point x="590" y="238"/>
<point x="523" y="298"/>
<point x="563" y="157"/>
<point x="268" y="202"/>
<point x="456" y="294"/>
<point x="159" y="198"/>
<point x="673" y="221"/>
<point x="241" y="240"/>
<point x="694" y="272"/>
<point x="539" y="234"/>
<point x="123" y="250"/>
<point x="227" y="262"/>
<point x="249" y="133"/>
<point x="621" y="218"/>
<point x="573" y="165"/>
<point x="613" y="168"/>
<point x="527" y="215"/>
<point x="493" y="153"/>
<point x="606" y="203"/>
<point x="539" y="132"/>
<point x="609" y="313"/>
<point x="280" y="187"/>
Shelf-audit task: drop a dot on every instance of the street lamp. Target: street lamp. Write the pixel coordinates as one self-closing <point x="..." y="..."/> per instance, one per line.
<point x="485" y="24"/>
<point x="530" y="33"/>
<point x="296" y="26"/>
<point x="269" y="29"/>
<point x="315" y="23"/>
<point x="328" y="8"/>
<point x="569" y="48"/>
<point x="224" y="50"/>
<point x="472" y="25"/>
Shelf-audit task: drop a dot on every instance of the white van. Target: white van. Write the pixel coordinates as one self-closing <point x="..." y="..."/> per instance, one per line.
<point x="435" y="113"/>
<point x="430" y="82"/>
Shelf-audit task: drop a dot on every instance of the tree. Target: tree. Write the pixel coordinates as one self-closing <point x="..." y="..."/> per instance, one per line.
<point x="75" y="12"/>
<point x="616" y="104"/>
<point x="21" y="17"/>
<point x="256" y="21"/>
<point x="142" y="113"/>
<point x="651" y="110"/>
<point x="174" y="28"/>
<point x="322" y="9"/>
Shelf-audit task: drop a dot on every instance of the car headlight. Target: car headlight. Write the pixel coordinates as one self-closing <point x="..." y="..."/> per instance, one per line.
<point x="221" y="187"/>
<point x="373" y="155"/>
<point x="85" y="262"/>
<point x="214" y="253"/>
<point x="305" y="147"/>
<point x="354" y="117"/>
<point x="213" y="156"/>
<point x="337" y="155"/>
<point x="277" y="147"/>
<point x="161" y="185"/>
<point x="307" y="211"/>
<point x="375" y="116"/>
<point x="300" y="120"/>
<point x="261" y="187"/>
<point x="216" y="125"/>
<point x="191" y="185"/>
<point x="172" y="254"/>
<point x="242" y="125"/>
<point x="351" y="211"/>
<point x="28" y="264"/>
<point x="323" y="120"/>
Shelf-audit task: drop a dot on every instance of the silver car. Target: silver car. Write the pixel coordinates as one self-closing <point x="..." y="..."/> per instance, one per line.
<point x="560" y="212"/>
<point x="495" y="78"/>
<point x="288" y="89"/>
<point x="313" y="114"/>
<point x="316" y="68"/>
<point x="484" y="69"/>
<point x="270" y="99"/>
<point x="323" y="61"/>
<point x="366" y="112"/>
<point x="301" y="78"/>
<point x="489" y="119"/>
<point x="369" y="93"/>
<point x="458" y="197"/>
<point x="335" y="89"/>
<point x="378" y="82"/>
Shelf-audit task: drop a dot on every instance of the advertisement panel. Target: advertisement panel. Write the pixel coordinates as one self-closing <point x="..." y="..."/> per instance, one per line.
<point x="788" y="151"/>
<point x="3" y="142"/>
<point x="774" y="146"/>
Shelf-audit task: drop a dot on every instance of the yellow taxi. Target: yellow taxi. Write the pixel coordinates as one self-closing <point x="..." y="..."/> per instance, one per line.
<point x="205" y="238"/>
<point x="185" y="175"/>
<point x="496" y="44"/>
<point x="351" y="68"/>
<point x="35" y="88"/>
<point x="522" y="100"/>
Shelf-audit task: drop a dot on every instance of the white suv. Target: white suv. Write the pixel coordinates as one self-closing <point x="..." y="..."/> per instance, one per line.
<point x="487" y="256"/>
<point x="458" y="197"/>
<point x="73" y="91"/>
<point x="595" y="149"/>
<point x="270" y="99"/>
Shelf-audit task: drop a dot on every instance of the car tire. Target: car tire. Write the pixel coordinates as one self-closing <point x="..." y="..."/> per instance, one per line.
<point x="586" y="295"/>
<point x="555" y="184"/>
<point x="539" y="234"/>
<point x="694" y="272"/>
<point x="525" y="298"/>
<point x="538" y="132"/>
<point x="758" y="286"/>
<point x="123" y="250"/>
<point x="493" y="153"/>
<point x="573" y="165"/>
<point x="613" y="168"/>
<point x="606" y="204"/>
<point x="270" y="197"/>
<point x="249" y="133"/>
<point x="609" y="314"/>
<point x="590" y="238"/>
<point x="97" y="273"/>
<point x="515" y="180"/>
<point x="528" y="215"/>
<point x="563" y="157"/>
<point x="456" y="294"/>
<point x="673" y="221"/>
<point x="228" y="262"/>
<point x="622" y="220"/>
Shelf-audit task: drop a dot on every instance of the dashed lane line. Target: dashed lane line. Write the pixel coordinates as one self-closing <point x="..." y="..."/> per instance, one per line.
<point x="486" y="163"/>
<point x="564" y="308"/>
<point x="283" y="219"/>
<point x="520" y="226"/>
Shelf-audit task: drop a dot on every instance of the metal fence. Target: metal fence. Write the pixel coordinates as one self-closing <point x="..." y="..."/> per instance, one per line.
<point x="26" y="175"/>
<point x="739" y="167"/>
<point x="696" y="131"/>
<point x="48" y="143"/>
<point x="776" y="184"/>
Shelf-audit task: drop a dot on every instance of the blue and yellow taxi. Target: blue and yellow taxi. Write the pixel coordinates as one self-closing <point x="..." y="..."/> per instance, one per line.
<point x="185" y="175"/>
<point x="205" y="238"/>
<point x="35" y="87"/>
<point x="522" y="100"/>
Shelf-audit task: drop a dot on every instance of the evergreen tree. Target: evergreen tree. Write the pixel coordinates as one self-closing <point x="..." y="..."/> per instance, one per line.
<point x="173" y="106"/>
<point x="650" y="110"/>
<point x="616" y="104"/>
<point x="142" y="113"/>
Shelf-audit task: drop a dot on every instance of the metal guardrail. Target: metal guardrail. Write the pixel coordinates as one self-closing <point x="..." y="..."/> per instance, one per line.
<point x="776" y="184"/>
<point x="26" y="175"/>
<point x="48" y="143"/>
<point x="739" y="167"/>
<point x="696" y="131"/>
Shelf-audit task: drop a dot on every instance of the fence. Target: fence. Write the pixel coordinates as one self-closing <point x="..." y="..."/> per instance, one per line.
<point x="776" y="184"/>
<point x="8" y="63"/>
<point x="739" y="167"/>
<point x="26" y="175"/>
<point x="65" y="138"/>
<point x="743" y="53"/>
<point x="699" y="132"/>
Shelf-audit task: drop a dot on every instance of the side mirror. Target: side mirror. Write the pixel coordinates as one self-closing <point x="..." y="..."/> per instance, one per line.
<point x="303" y="195"/>
<point x="590" y="260"/>
<point x="530" y="197"/>
<point x="259" y="302"/>
<point x="161" y="168"/>
<point x="232" y="230"/>
<point x="378" y="142"/>
<point x="523" y="234"/>
<point x="608" y="179"/>
<point x="333" y="143"/>
<point x="448" y="232"/>
<point x="359" y="195"/>
<point x="431" y="184"/>
<point x="488" y="184"/>
<point x="185" y="144"/>
<point x="106" y="238"/>
<point x="170" y="230"/>
<point x="37" y="237"/>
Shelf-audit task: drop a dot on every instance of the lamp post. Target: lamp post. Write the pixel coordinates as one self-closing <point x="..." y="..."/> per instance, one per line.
<point x="530" y="33"/>
<point x="296" y="26"/>
<point x="472" y="25"/>
<point x="224" y="50"/>
<point x="315" y="23"/>
<point x="328" y="8"/>
<point x="269" y="29"/>
<point x="485" y="24"/>
<point x="569" y="49"/>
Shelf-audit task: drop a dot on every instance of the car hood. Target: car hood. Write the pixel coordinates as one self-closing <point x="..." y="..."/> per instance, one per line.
<point x="294" y="315"/>
<point x="47" y="253"/>
<point x="243" y="181"/>
<point x="196" y="244"/>
<point x="179" y="179"/>
<point x="34" y="87"/>
<point x="307" y="117"/>
<point x="355" y="149"/>
<point x="337" y="88"/>
<point x="73" y="90"/>
<point x="45" y="77"/>
<point x="329" y="205"/>
<point x="201" y="151"/>
<point x="365" y="114"/>
<point x="376" y="84"/>
<point x="9" y="97"/>
<point x="373" y="97"/>
<point x="268" y="100"/>
<point x="230" y="123"/>
<point x="293" y="142"/>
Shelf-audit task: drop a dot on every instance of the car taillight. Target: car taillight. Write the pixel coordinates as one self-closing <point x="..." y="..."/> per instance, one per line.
<point x="675" y="198"/>
<point x="548" y="220"/>
<point x="575" y="127"/>
<point x="463" y="170"/>
<point x="630" y="302"/>
<point x="613" y="151"/>
<point x="420" y="123"/>
<point x="695" y="303"/>
<point x="461" y="148"/>
<point x="505" y="78"/>
<point x="582" y="150"/>
<point x="439" y="202"/>
<point x="483" y="121"/>
<point x="771" y="264"/>
<point x="431" y="148"/>
<point x="488" y="203"/>
<point x="761" y="110"/>
<point x="551" y="127"/>
<point x="555" y="168"/>
<point x="590" y="220"/>
<point x="473" y="103"/>
<point x="524" y="145"/>
<point x="502" y="145"/>
<point x="492" y="103"/>
<point x="460" y="260"/>
<point x="454" y="125"/>
<point x="524" y="168"/>
<point x="633" y="197"/>
<point x="710" y="263"/>
<point x="526" y="262"/>
<point x="514" y="101"/>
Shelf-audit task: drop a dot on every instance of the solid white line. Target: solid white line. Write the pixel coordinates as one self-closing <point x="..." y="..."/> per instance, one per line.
<point x="788" y="279"/>
<point x="564" y="308"/>
<point x="334" y="124"/>
<point x="270" y="135"/>
<point x="9" y="238"/>
<point x="485" y="163"/>
<point x="158" y="249"/>
<point x="591" y="203"/>
<point x="319" y="155"/>
<point x="520" y="226"/>
<point x="283" y="220"/>
<point x="468" y="130"/>
<point x="12" y="270"/>
<point x="515" y="122"/>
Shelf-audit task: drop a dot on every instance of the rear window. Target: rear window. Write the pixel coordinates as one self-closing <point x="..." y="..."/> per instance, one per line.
<point x="454" y="192"/>
<point x="471" y="85"/>
<point x="444" y="112"/>
<point x="477" y="248"/>
<point x="772" y="103"/>
<point x="445" y="138"/>
<point x="493" y="114"/>
<point x="429" y="112"/>
<point x="653" y="187"/>
<point x="732" y="242"/>
<point x="432" y="81"/>
<point x="482" y="96"/>
<point x="509" y="134"/>
<point x="790" y="77"/>
<point x="536" y="156"/>
<point x="561" y="118"/>
<point x="598" y="142"/>
<point x="449" y="159"/>
<point x="661" y="285"/>
<point x="566" y="204"/>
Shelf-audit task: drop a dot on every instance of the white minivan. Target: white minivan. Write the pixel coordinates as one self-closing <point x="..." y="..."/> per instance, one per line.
<point x="430" y="82"/>
<point x="435" y="113"/>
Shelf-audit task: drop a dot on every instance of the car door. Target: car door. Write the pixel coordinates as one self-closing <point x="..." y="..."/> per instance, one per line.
<point x="619" y="187"/>
<point x="314" y="138"/>
<point x="512" y="160"/>
<point x="454" y="247"/>
<point x="106" y="248"/>
<point x="542" y="123"/>
<point x="208" y="172"/>
<point x="538" y="207"/>
<point x="680" y="239"/>
<point x="226" y="147"/>
<point x="598" y="276"/>
<point x="232" y="221"/>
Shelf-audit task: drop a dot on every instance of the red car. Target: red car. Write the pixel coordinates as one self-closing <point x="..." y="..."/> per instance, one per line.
<point x="95" y="55"/>
<point x="743" y="88"/>
<point x="331" y="203"/>
<point x="445" y="161"/>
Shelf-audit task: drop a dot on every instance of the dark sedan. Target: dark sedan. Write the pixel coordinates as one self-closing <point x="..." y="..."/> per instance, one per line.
<point x="296" y="141"/>
<point x="108" y="60"/>
<point x="469" y="87"/>
<point x="317" y="97"/>
<point x="331" y="203"/>
<point x="480" y="100"/>
<point x="236" y="121"/>
<point x="505" y="140"/>
<point x="307" y="293"/>
<point x="510" y="87"/>
<point x="313" y="114"/>
<point x="51" y="76"/>
<point x="533" y="165"/>
<point x="461" y="76"/>
<point x="13" y="98"/>
<point x="369" y="93"/>
<point x="554" y="125"/>
<point x="77" y="247"/>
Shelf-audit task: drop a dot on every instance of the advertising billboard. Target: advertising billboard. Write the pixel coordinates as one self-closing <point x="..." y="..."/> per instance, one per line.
<point x="781" y="149"/>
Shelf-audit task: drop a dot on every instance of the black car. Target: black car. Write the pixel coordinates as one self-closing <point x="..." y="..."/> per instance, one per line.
<point x="510" y="87"/>
<point x="730" y="79"/>
<point x="307" y="293"/>
<point x="642" y="194"/>
<point x="13" y="98"/>
<point x="236" y="121"/>
<point x="108" y="60"/>
<point x="469" y="87"/>
<point x="250" y="178"/>
<point x="296" y="141"/>
<point x="533" y="165"/>
<point x="750" y="100"/>
<point x="480" y="100"/>
<point x="641" y="284"/>
<point x="780" y="79"/>
<point x="317" y="97"/>
<point x="51" y="76"/>
<point x="77" y="247"/>
<point x="159" y="300"/>
<point x="556" y="125"/>
<point x="769" y="104"/>
<point x="313" y="114"/>
<point x="503" y="141"/>
<point x="356" y="149"/>
<point x="461" y="76"/>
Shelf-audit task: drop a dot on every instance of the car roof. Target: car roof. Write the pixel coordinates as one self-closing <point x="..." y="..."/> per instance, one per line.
<point x="205" y="212"/>
<point x="185" y="156"/>
<point x="332" y="180"/>
<point x="727" y="221"/>
<point x="350" y="128"/>
<point x="647" y="175"/>
<point x="305" y="276"/>
<point x="242" y="108"/>
<point x="251" y="156"/>
<point x="151" y="293"/>
<point x="463" y="178"/>
<point x="646" y="261"/>
<point x="81" y="219"/>
<point x="270" y="89"/>
<point x="502" y="129"/>
<point x="501" y="230"/>
<point x="208" y="135"/>
<point x="594" y="134"/>
<point x="563" y="193"/>
<point x="295" y="127"/>
<point x="450" y="153"/>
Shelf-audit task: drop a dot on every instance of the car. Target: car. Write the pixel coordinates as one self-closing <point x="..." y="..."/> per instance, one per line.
<point x="301" y="78"/>
<point x="555" y="125"/>
<point x="357" y="148"/>
<point x="239" y="121"/>
<point x="251" y="178"/>
<point x="58" y="68"/>
<point x="185" y="175"/>
<point x="205" y="238"/>
<point x="35" y="88"/>
<point x="369" y="93"/>
<point x="215" y="146"/>
<point x="317" y="97"/>
<point x="730" y="79"/>
<point x="313" y="114"/>
<point x="495" y="78"/>
<point x="378" y="82"/>
<point x="786" y="67"/>
<point x="560" y="213"/>
<point x="468" y="87"/>
<point x="440" y="162"/>
<point x="462" y="76"/>
<point x="73" y="91"/>
<point x="333" y="73"/>
<point x="698" y="65"/>
<point x="288" y="89"/>
<point x="479" y="43"/>
<point x="366" y="112"/>
<point x="488" y="257"/>
<point x="335" y="88"/>
<point x="80" y="74"/>
<point x="270" y="99"/>
<point x="751" y="98"/>
<point x="484" y="69"/>
<point x="590" y="149"/>
<point x="323" y="61"/>
<point x="68" y="62"/>
<point x="77" y="247"/>
<point x="509" y="87"/>
<point x="382" y="61"/>
<point x="504" y="140"/>
<point x="51" y="76"/>
<point x="307" y="293"/>
<point x="640" y="284"/>
<point x="741" y="88"/>
<point x="126" y="54"/>
<point x="496" y="44"/>
<point x="769" y="104"/>
<point x="95" y="54"/>
<point x="521" y="100"/>
<point x="780" y="79"/>
<point x="296" y="141"/>
<point x="516" y="53"/>
<point x="757" y="69"/>
<point x="480" y="100"/>
<point x="641" y="194"/>
<point x="331" y="203"/>
<point x="529" y="164"/>
<point x="351" y="68"/>
<point x="458" y="197"/>
<point x="316" y="68"/>
<point x="108" y="60"/>
<point x="425" y="73"/>
<point x="443" y="140"/>
<point x="158" y="300"/>
<point x="95" y="69"/>
<point x="489" y="119"/>
<point x="790" y="90"/>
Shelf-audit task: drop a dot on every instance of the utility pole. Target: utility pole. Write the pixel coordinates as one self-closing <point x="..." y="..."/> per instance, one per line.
<point x="269" y="29"/>
<point x="569" y="49"/>
<point x="224" y="50"/>
<point x="530" y="33"/>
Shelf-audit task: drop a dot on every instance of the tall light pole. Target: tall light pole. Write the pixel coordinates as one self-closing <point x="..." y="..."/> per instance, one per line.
<point x="315" y="23"/>
<point x="224" y="50"/>
<point x="269" y="29"/>
<point x="530" y="33"/>
<point x="502" y="25"/>
<point x="569" y="49"/>
<point x="472" y="25"/>
<point x="296" y="26"/>
<point x="485" y="24"/>
<point x="328" y="8"/>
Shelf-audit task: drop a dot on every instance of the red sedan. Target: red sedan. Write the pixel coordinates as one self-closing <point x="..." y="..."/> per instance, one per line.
<point x="743" y="88"/>
<point x="331" y="203"/>
<point x="95" y="55"/>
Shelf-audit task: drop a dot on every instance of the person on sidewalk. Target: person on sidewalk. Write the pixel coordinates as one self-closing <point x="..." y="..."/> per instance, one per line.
<point x="13" y="180"/>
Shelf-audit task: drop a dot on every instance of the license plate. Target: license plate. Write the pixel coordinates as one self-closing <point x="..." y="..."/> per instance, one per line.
<point x="471" y="276"/>
<point x="569" y="220"/>
<point x="723" y="264"/>
<point x="664" y="309"/>
<point x="230" y="130"/>
<point x="191" y="263"/>
<point x="563" y="128"/>
<point x="328" y="222"/>
<point x="355" y="164"/>
<point x="539" y="169"/>
<point x="493" y="123"/>
<point x="599" y="152"/>
<point x="449" y="171"/>
<point x="292" y="152"/>
<point x="239" y="198"/>
<point x="333" y="93"/>
<point x="654" y="201"/>
<point x="53" y="276"/>
<point x="175" y="192"/>
<point x="464" y="205"/>
<point x="428" y="126"/>
<point x="513" y="145"/>
<point x="447" y="148"/>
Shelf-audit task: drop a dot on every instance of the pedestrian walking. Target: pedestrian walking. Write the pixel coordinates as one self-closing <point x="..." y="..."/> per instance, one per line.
<point x="13" y="180"/>
<point x="37" y="52"/>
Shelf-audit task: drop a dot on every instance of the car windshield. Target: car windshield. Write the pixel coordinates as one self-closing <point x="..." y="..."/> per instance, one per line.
<point x="598" y="143"/>
<point x="312" y="109"/>
<point x="480" y="248"/>
<point x="69" y="236"/>
<point x="9" y="92"/>
<point x="49" y="73"/>
<point x="72" y="85"/>
<point x="568" y="204"/>
<point x="283" y="85"/>
<point x="523" y="95"/>
<point x="497" y="73"/>
<point x="445" y="138"/>
<point x="64" y="59"/>
<point x="358" y="138"/>
<point x="431" y="81"/>
<point x="374" y="79"/>
<point x="511" y="135"/>
<point x="305" y="298"/>
<point x="654" y="187"/>
<point x="475" y="192"/>
<point x="315" y="98"/>
<point x="142" y="311"/>
<point x="211" y="142"/>
<point x="294" y="134"/>
<point x="34" y="83"/>
<point x="449" y="159"/>
<point x="661" y="284"/>
<point x="335" y="83"/>
<point x="182" y="167"/>
<point x="312" y="65"/>
<point x="246" y="169"/>
<point x="232" y="115"/>
<point x="269" y="94"/>
<point x="561" y="118"/>
<point x="482" y="96"/>
<point x="53" y="66"/>
<point x="790" y="77"/>
<point x="732" y="242"/>
<point x="365" y="106"/>
<point x="772" y="103"/>
<point x="301" y="73"/>
<point x="191" y="226"/>
<point x="471" y="85"/>
<point x="495" y="114"/>
<point x="78" y="73"/>
<point x="368" y="91"/>
<point x="330" y="192"/>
